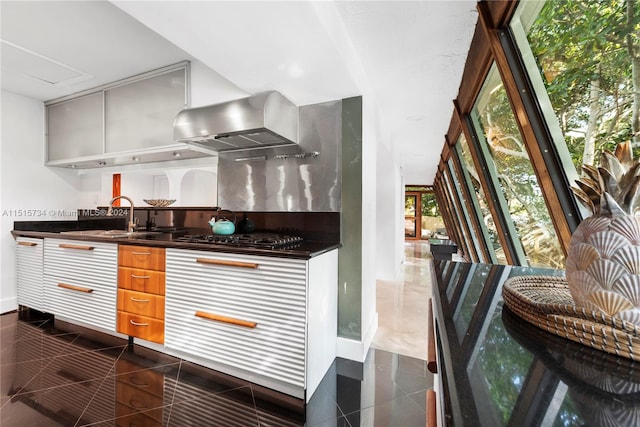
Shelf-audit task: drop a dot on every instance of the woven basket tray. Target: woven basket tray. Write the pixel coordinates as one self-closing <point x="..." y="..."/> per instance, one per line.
<point x="545" y="301"/>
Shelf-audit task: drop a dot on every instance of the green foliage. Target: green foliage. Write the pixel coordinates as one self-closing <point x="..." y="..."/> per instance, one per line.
<point x="581" y="45"/>
<point x="409" y="205"/>
<point x="430" y="205"/>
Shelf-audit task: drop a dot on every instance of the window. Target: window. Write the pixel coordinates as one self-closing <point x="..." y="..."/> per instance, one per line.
<point x="496" y="252"/>
<point x="579" y="57"/>
<point x="515" y="179"/>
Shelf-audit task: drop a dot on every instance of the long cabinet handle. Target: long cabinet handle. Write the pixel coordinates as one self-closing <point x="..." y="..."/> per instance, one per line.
<point x="225" y="319"/>
<point x="138" y="300"/>
<point x="137" y="323"/>
<point x="140" y="253"/>
<point x="140" y="277"/>
<point x="75" y="288"/>
<point x="27" y="244"/>
<point x="227" y="263"/>
<point x="432" y="415"/>
<point x="432" y="361"/>
<point x="80" y="247"/>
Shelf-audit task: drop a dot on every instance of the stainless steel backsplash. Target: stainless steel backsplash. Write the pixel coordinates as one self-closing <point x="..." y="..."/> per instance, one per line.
<point x="309" y="184"/>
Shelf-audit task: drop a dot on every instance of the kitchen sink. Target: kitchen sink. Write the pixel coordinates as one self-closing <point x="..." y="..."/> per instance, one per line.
<point x="109" y="233"/>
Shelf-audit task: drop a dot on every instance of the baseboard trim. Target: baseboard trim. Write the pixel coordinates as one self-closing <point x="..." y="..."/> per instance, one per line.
<point x="357" y="350"/>
<point x="8" y="304"/>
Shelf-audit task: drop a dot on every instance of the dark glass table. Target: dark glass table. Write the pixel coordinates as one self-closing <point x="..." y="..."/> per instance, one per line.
<point x="496" y="369"/>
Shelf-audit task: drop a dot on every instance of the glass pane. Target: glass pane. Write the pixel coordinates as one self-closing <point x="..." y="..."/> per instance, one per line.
<point x="458" y="219"/>
<point x="75" y="128"/>
<point x="140" y="114"/>
<point x="410" y="202"/>
<point x="409" y="227"/>
<point x="469" y="232"/>
<point x="410" y="205"/>
<point x="515" y="175"/>
<point x="492" y="231"/>
<point x="586" y="69"/>
<point x="431" y="218"/>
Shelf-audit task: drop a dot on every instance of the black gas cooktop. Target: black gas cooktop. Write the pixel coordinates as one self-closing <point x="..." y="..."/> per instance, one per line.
<point x="252" y="240"/>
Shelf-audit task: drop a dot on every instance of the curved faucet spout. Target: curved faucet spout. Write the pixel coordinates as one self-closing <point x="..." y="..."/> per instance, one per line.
<point x="131" y="225"/>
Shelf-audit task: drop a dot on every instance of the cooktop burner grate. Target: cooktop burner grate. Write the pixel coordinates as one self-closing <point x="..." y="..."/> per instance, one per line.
<point x="253" y="240"/>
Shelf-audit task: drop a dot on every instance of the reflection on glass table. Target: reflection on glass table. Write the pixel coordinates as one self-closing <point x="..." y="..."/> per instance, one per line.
<point x="498" y="370"/>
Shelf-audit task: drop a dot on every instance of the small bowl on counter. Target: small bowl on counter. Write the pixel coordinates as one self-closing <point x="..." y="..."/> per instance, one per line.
<point x="159" y="203"/>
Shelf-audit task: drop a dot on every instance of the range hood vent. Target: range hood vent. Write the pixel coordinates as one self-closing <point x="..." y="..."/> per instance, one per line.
<point x="264" y="120"/>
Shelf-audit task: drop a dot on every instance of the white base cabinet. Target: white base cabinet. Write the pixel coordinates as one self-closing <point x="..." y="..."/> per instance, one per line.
<point x="248" y="315"/>
<point x="80" y="281"/>
<point x="268" y="320"/>
<point x="29" y="272"/>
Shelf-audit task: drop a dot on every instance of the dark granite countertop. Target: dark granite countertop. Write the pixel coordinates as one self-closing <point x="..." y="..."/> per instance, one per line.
<point x="166" y="239"/>
<point x="498" y="370"/>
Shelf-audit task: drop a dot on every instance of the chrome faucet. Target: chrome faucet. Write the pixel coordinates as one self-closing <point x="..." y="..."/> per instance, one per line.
<point x="131" y="225"/>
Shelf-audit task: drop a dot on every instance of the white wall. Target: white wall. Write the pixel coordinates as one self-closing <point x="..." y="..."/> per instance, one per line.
<point x="390" y="215"/>
<point x="209" y="87"/>
<point x="29" y="191"/>
<point x="418" y="177"/>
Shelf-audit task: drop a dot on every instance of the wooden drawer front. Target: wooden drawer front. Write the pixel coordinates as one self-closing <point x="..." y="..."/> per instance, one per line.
<point x="141" y="257"/>
<point x="141" y="303"/>
<point x="147" y="328"/>
<point x="29" y="272"/>
<point x="81" y="261"/>
<point x="140" y="377"/>
<point x="273" y="295"/>
<point x="139" y="400"/>
<point x="150" y="281"/>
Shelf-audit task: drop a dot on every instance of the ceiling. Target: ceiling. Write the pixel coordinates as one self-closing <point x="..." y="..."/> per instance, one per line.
<point x="405" y="57"/>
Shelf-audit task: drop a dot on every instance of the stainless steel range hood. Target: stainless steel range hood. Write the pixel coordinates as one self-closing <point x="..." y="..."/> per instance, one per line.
<point x="264" y="120"/>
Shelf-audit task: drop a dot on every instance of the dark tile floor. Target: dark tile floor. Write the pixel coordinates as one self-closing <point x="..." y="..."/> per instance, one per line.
<point x="52" y="375"/>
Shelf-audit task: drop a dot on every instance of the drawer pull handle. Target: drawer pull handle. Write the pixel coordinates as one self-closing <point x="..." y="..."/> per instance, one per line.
<point x="80" y="247"/>
<point x="227" y="263"/>
<point x="140" y="277"/>
<point x="75" y="288"/>
<point x="138" y="324"/>
<point x="138" y="300"/>
<point x="138" y="383"/>
<point x="225" y="319"/>
<point x="140" y="253"/>
<point x="27" y="244"/>
<point x="137" y="405"/>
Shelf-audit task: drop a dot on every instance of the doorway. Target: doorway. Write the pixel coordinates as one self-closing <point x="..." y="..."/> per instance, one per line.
<point x="422" y="217"/>
<point x="412" y="220"/>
